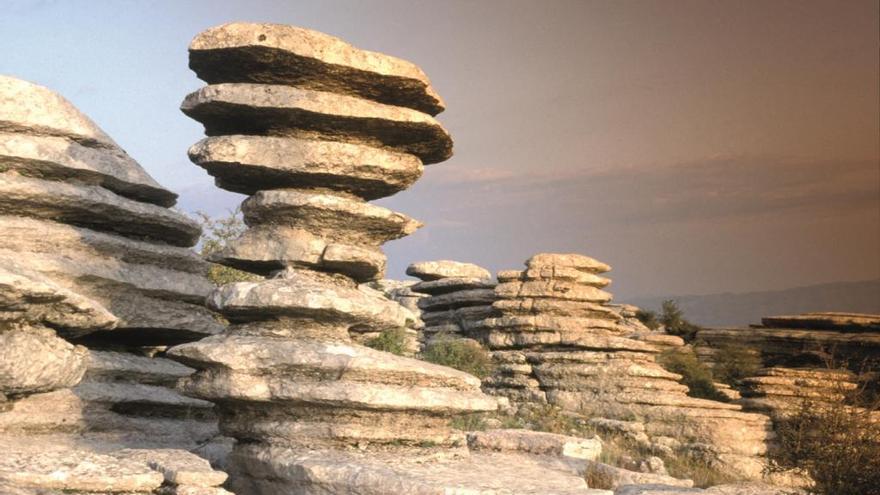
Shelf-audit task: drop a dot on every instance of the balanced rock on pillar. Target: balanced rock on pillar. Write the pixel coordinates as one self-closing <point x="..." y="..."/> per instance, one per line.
<point x="312" y="128"/>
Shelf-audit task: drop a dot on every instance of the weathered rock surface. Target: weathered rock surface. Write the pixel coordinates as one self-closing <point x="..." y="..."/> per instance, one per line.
<point x="535" y="442"/>
<point x="279" y="54"/>
<point x="90" y="253"/>
<point x="435" y="270"/>
<point x="556" y="340"/>
<point x="35" y="359"/>
<point x="273" y="110"/>
<point x="311" y="127"/>
<point x="247" y="164"/>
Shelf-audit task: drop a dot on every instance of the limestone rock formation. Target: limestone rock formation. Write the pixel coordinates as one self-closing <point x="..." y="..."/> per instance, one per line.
<point x="457" y="294"/>
<point x="312" y="128"/>
<point x="557" y="340"/>
<point x="96" y="279"/>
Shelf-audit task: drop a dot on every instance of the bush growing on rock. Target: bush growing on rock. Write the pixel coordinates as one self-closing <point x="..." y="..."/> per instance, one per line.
<point x="836" y="443"/>
<point x="461" y="354"/>
<point x="696" y="375"/>
<point x="648" y="318"/>
<point x="735" y="362"/>
<point x="672" y="318"/>
<point x="216" y="234"/>
<point x="392" y="340"/>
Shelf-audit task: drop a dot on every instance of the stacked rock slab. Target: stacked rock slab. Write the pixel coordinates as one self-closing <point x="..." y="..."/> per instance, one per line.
<point x="96" y="278"/>
<point x="558" y="341"/>
<point x="458" y="294"/>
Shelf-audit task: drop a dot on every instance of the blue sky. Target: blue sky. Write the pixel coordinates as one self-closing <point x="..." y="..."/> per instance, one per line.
<point x="697" y="146"/>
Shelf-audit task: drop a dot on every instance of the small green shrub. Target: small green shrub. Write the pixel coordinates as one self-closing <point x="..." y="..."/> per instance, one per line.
<point x="461" y="354"/>
<point x="217" y="233"/>
<point x="696" y="375"/>
<point x="648" y="318"/>
<point x="675" y="323"/>
<point x="392" y="340"/>
<point x="468" y="422"/>
<point x="735" y="362"/>
<point x="837" y="444"/>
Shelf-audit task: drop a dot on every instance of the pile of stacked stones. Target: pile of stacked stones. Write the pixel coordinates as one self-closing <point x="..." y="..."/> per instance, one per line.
<point x="805" y="358"/>
<point x="457" y="294"/>
<point x="96" y="279"/>
<point x="311" y="128"/>
<point x="556" y="341"/>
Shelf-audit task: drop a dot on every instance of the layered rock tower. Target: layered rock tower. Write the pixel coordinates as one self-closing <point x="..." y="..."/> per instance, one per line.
<point x="558" y="341"/>
<point x="96" y="279"/>
<point x="312" y="128"/>
<point x="457" y="294"/>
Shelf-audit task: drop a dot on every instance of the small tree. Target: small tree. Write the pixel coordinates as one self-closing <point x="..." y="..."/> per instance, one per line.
<point x="648" y="318"/>
<point x="696" y="375"/>
<point x="672" y="318"/>
<point x="217" y="233"/>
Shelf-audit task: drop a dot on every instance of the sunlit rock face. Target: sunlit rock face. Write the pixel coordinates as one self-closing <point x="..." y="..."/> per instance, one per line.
<point x="312" y="128"/>
<point x="97" y="278"/>
<point x="557" y="339"/>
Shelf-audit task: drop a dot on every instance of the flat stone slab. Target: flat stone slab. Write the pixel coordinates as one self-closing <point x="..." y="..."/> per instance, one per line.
<point x="247" y="164"/>
<point x="179" y="467"/>
<point x="303" y="294"/>
<point x="78" y="470"/>
<point x="535" y="442"/>
<point x="435" y="270"/>
<point x="452" y="284"/>
<point x="555" y="272"/>
<point x="94" y="207"/>
<point x="47" y="236"/>
<point x="844" y="322"/>
<point x="555" y="307"/>
<point x="472" y="297"/>
<point x="58" y="158"/>
<point x="340" y="219"/>
<point x="262" y="109"/>
<point x="280" y="54"/>
<point x="609" y="477"/>
<point x="558" y="289"/>
<point x="267" y="248"/>
<point x="30" y="297"/>
<point x="477" y="473"/>
<point x="39" y="115"/>
<point x="144" y="320"/>
<point x="35" y="359"/>
<point x="569" y="260"/>
<point x="125" y="366"/>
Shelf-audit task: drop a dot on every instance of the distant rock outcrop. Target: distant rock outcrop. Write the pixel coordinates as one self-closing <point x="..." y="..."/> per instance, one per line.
<point x="456" y="295"/>
<point x="559" y="341"/>
<point x="96" y="278"/>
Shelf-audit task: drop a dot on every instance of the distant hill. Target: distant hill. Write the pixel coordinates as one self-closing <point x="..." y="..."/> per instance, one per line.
<point x="741" y="309"/>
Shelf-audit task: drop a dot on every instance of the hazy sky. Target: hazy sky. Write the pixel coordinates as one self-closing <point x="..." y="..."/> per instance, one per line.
<point x="696" y="146"/>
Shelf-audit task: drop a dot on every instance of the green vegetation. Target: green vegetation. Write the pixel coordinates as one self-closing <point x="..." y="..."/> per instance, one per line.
<point x="696" y="375"/>
<point x="216" y="235"/>
<point x="461" y="354"/>
<point x="672" y="318"/>
<point x="837" y="444"/>
<point x="648" y="318"/>
<point x="735" y="362"/>
<point x="392" y="340"/>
